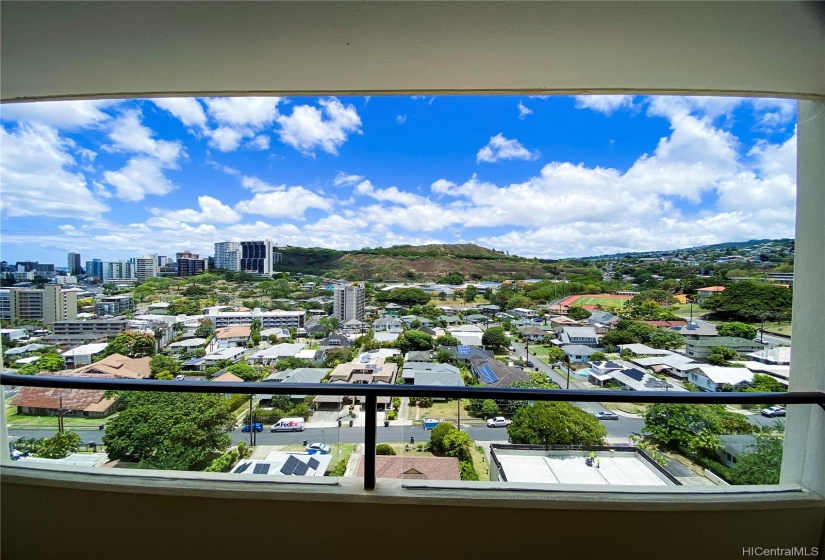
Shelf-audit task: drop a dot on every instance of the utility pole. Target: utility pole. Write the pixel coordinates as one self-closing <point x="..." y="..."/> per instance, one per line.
<point x="251" y="430"/>
<point x="60" y="416"/>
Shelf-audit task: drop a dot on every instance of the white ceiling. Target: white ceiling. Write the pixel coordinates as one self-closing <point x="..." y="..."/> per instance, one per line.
<point x="109" y="49"/>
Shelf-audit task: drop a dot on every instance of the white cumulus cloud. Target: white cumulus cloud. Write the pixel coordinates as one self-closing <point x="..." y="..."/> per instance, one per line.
<point x="291" y="202"/>
<point x="327" y="128"/>
<point x="212" y="211"/>
<point x="523" y="111"/>
<point x="38" y="179"/>
<point x="62" y="115"/>
<point x="499" y="148"/>
<point x="606" y="104"/>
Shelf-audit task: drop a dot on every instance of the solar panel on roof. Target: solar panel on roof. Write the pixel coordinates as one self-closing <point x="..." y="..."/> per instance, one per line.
<point x="301" y="469"/>
<point x="462" y="350"/>
<point x="634" y="373"/>
<point x="243" y="467"/>
<point x="261" y="468"/>
<point x="487" y="374"/>
<point x="692" y="327"/>
<point x="289" y="466"/>
<point x="314" y="463"/>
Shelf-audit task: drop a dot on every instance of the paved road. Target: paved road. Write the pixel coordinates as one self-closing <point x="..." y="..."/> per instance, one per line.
<point x="621" y="428"/>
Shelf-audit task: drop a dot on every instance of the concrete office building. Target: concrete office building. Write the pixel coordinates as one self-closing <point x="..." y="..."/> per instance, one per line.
<point x="73" y="264"/>
<point x="47" y="305"/>
<point x="94" y="268"/>
<point x="228" y="255"/>
<point x="349" y="302"/>
<point x="256" y="257"/>
<point x="145" y="268"/>
<point x="190" y="264"/>
<point x="118" y="270"/>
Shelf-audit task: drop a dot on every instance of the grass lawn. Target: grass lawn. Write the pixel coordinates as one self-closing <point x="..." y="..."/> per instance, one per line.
<point x="409" y="450"/>
<point x="447" y="410"/>
<point x="603" y="301"/>
<point x="26" y="421"/>
<point x="480" y="464"/>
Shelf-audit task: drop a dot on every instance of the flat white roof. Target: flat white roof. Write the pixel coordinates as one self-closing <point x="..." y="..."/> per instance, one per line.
<point x="86" y="350"/>
<point x="619" y="470"/>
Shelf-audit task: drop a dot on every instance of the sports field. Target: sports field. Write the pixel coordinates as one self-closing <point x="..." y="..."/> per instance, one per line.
<point x="589" y="301"/>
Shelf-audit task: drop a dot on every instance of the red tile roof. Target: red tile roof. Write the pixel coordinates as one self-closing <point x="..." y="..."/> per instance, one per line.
<point x="417" y="468"/>
<point x="73" y="399"/>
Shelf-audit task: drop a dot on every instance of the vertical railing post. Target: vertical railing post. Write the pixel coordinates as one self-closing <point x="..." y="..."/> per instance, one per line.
<point x="370" y="435"/>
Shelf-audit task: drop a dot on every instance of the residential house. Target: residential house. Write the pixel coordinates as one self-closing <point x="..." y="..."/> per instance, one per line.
<point x="560" y="322"/>
<point x="665" y="324"/>
<point x="778" y="356"/>
<point x="673" y="364"/>
<point x="412" y="370"/>
<point x="233" y="354"/>
<point x="336" y="341"/>
<point x="274" y="353"/>
<point x="227" y="377"/>
<point x="386" y="336"/>
<point x="702" y="294"/>
<point x="489" y="309"/>
<point x="393" y="309"/>
<point x="233" y="337"/>
<point x="386" y="323"/>
<point x="577" y="353"/>
<point x="354" y="326"/>
<point x="583" y="336"/>
<point x="83" y="354"/>
<point x="118" y="366"/>
<point x="533" y="334"/>
<point x="186" y="345"/>
<point x="465" y="354"/>
<point x="413" y="468"/>
<point x="297" y="375"/>
<point x="370" y="367"/>
<point x="417" y="356"/>
<point x="495" y="373"/>
<point x="697" y="330"/>
<point x="644" y="350"/>
<point x="74" y="402"/>
<point x="700" y="349"/>
<point x="524" y="313"/>
<point x="628" y="377"/>
<point x="733" y="447"/>
<point x="713" y="378"/>
<point x="449" y="319"/>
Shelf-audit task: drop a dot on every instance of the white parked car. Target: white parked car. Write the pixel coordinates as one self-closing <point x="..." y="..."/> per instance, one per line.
<point x="498" y="422"/>
<point x="320" y="448"/>
<point x="773" y="411"/>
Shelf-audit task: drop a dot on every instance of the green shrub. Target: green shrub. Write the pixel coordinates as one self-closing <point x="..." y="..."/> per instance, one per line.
<point x="467" y="470"/>
<point x="391" y="415"/>
<point x="301" y="410"/>
<point x="224" y="463"/>
<point x="423" y="402"/>
<point x="340" y="468"/>
<point x="396" y="402"/>
<point x="384" y="449"/>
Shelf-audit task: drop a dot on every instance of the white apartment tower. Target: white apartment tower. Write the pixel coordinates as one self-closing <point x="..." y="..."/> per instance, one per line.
<point x="118" y="270"/>
<point x="349" y="302"/>
<point x="228" y="255"/>
<point x="145" y="268"/>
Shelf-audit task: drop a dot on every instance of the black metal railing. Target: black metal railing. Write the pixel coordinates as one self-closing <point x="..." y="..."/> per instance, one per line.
<point x="371" y="392"/>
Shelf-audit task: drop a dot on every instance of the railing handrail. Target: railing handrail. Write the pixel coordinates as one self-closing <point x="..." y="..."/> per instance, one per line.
<point x="389" y="390"/>
<point x="372" y="391"/>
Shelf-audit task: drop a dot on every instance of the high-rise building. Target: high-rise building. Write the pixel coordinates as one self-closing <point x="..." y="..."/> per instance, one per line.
<point x="145" y="268"/>
<point x="349" y="302"/>
<point x="73" y="264"/>
<point x="48" y="305"/>
<point x="228" y="255"/>
<point x="190" y="264"/>
<point x="94" y="268"/>
<point x="256" y="257"/>
<point x="163" y="260"/>
<point x="119" y="270"/>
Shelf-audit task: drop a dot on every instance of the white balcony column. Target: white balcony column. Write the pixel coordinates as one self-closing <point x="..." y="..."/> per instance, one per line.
<point x="804" y="455"/>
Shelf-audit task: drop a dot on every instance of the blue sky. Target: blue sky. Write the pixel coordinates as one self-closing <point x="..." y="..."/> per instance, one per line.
<point x="536" y="176"/>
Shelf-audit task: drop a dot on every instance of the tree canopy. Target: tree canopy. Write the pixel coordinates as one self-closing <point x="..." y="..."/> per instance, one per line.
<point x="548" y="423"/>
<point x="762" y="466"/>
<point x="415" y="340"/>
<point x="495" y="337"/>
<point x="133" y="344"/>
<point x="169" y="430"/>
<point x="675" y="425"/>
<point x="405" y="296"/>
<point x="737" y="329"/>
<point x="752" y="301"/>
<point x="578" y="313"/>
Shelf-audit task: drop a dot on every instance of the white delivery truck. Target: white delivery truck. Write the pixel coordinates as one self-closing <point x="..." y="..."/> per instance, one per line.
<point x="288" y="425"/>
